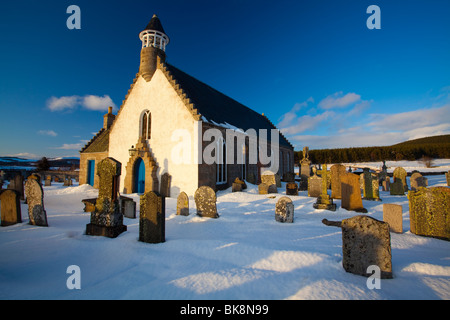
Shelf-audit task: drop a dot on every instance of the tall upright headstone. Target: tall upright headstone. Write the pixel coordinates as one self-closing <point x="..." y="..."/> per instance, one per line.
<point x="183" y="204"/>
<point x="164" y="189"/>
<point x="429" y="212"/>
<point x="351" y="193"/>
<point x="371" y="189"/>
<point x="324" y="201"/>
<point x="10" y="207"/>
<point x="400" y="174"/>
<point x="35" y="201"/>
<point x="305" y="169"/>
<point x="152" y="218"/>
<point x="284" y="210"/>
<point x="336" y="171"/>
<point x="205" y="201"/>
<point x="107" y="218"/>
<point x="365" y="242"/>
<point x="314" y="186"/>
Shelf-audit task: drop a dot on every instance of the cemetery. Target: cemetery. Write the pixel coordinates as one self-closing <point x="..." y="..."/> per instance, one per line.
<point x="276" y="240"/>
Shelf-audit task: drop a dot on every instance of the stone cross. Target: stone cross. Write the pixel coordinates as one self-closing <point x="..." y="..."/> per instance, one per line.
<point x="107" y="218"/>
<point x="324" y="201"/>
<point x="284" y="210"/>
<point x="205" y="201"/>
<point x="35" y="200"/>
<point x="365" y="242"/>
<point x="10" y="207"/>
<point x="152" y="218"/>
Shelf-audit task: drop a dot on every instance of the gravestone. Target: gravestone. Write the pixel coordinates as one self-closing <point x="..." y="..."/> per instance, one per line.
<point x="17" y="184"/>
<point x="417" y="180"/>
<point x="107" y="218"/>
<point x="11" y="213"/>
<point x="284" y="210"/>
<point x="291" y="189"/>
<point x="305" y="170"/>
<point x="314" y="186"/>
<point x="447" y="177"/>
<point x="393" y="215"/>
<point x="351" y="194"/>
<point x="429" y="212"/>
<point x="35" y="201"/>
<point x="205" y="201"/>
<point x="238" y="185"/>
<point x="371" y="189"/>
<point x="152" y="218"/>
<point x="128" y="207"/>
<point x="48" y="181"/>
<point x="400" y="174"/>
<point x="263" y="188"/>
<point x="272" y="189"/>
<point x="183" y="204"/>
<point x="164" y="189"/>
<point x="324" y="200"/>
<point x="386" y="183"/>
<point x="336" y="171"/>
<point x="365" y="242"/>
<point x="268" y="178"/>
<point x="397" y="188"/>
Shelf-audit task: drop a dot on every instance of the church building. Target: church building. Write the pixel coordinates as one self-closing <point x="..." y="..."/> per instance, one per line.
<point x="163" y="128"/>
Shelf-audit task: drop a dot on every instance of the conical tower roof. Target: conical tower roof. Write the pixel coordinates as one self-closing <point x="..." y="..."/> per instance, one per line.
<point x="155" y="24"/>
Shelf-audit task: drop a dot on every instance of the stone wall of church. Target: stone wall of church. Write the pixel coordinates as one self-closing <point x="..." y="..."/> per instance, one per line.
<point x="84" y="158"/>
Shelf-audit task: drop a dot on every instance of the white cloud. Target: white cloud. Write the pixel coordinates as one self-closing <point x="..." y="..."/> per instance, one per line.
<point x="90" y="102"/>
<point x="47" y="133"/>
<point x="62" y="103"/>
<point x="338" y="100"/>
<point x="97" y="103"/>
<point x="70" y="146"/>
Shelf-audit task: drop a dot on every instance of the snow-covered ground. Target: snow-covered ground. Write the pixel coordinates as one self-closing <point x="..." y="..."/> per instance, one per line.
<point x="244" y="254"/>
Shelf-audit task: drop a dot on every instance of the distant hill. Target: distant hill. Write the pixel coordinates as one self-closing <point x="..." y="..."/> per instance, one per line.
<point x="427" y="140"/>
<point x="9" y="162"/>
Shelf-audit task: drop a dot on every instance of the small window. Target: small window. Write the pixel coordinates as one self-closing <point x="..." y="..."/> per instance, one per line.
<point x="221" y="161"/>
<point x="146" y="125"/>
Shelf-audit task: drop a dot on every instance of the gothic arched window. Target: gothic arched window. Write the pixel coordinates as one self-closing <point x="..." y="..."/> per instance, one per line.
<point x="146" y="125"/>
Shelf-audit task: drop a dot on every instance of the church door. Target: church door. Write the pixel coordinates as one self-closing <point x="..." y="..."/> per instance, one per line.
<point x="91" y="172"/>
<point x="139" y="176"/>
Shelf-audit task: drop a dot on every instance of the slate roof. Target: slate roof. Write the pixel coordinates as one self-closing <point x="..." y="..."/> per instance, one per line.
<point x="216" y="107"/>
<point x="99" y="143"/>
<point x="155" y="24"/>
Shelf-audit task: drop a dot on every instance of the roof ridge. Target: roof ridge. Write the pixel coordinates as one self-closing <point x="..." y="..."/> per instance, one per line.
<point x="92" y="139"/>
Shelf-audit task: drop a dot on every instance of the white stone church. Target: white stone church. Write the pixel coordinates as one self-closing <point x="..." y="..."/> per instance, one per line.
<point x="164" y="108"/>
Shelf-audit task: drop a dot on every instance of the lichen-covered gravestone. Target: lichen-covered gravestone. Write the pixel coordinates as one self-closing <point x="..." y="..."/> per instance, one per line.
<point x="152" y="218"/>
<point x="35" y="201"/>
<point x="336" y="171"/>
<point x="429" y="212"/>
<point x="183" y="204"/>
<point x="400" y="174"/>
<point x="371" y="189"/>
<point x="397" y="188"/>
<point x="284" y="210"/>
<point x="205" y="201"/>
<point x="365" y="242"/>
<point x="107" y="218"/>
<point x="351" y="193"/>
<point x="263" y="188"/>
<point x="10" y="207"/>
<point x="417" y="180"/>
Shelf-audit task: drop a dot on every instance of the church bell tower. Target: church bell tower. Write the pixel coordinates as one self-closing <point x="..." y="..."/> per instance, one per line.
<point x="154" y="42"/>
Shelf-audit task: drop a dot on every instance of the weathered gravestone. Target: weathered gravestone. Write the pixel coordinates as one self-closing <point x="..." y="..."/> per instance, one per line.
<point x="324" y="200"/>
<point x="284" y="210"/>
<point x="447" y="177"/>
<point x="291" y="189"/>
<point x="205" y="201"/>
<point x="305" y="170"/>
<point x="128" y="207"/>
<point x="237" y="186"/>
<point x="314" y="186"/>
<point x="35" y="201"/>
<point x="351" y="193"/>
<point x="429" y="212"/>
<point x="393" y="215"/>
<point x="107" y="218"/>
<point x="371" y="189"/>
<point x="400" y="174"/>
<point x="263" y="188"/>
<point x="336" y="171"/>
<point x="48" y="181"/>
<point x="183" y="204"/>
<point x="268" y="178"/>
<point x="365" y="242"/>
<point x="10" y="207"/>
<point x="164" y="189"/>
<point x="417" y="180"/>
<point x="152" y="218"/>
<point x="386" y="183"/>
<point x="397" y="188"/>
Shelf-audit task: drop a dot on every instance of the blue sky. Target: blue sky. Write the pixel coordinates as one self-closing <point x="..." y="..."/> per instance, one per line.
<point x="313" y="67"/>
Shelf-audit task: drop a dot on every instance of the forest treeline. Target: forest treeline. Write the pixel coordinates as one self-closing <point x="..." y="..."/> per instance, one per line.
<point x="437" y="147"/>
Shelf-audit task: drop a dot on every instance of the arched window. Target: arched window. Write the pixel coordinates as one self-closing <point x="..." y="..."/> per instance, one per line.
<point x="221" y="161"/>
<point x="146" y="125"/>
<point x="244" y="162"/>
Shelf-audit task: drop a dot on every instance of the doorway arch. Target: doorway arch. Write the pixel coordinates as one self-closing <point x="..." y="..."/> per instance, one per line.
<point x="139" y="176"/>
